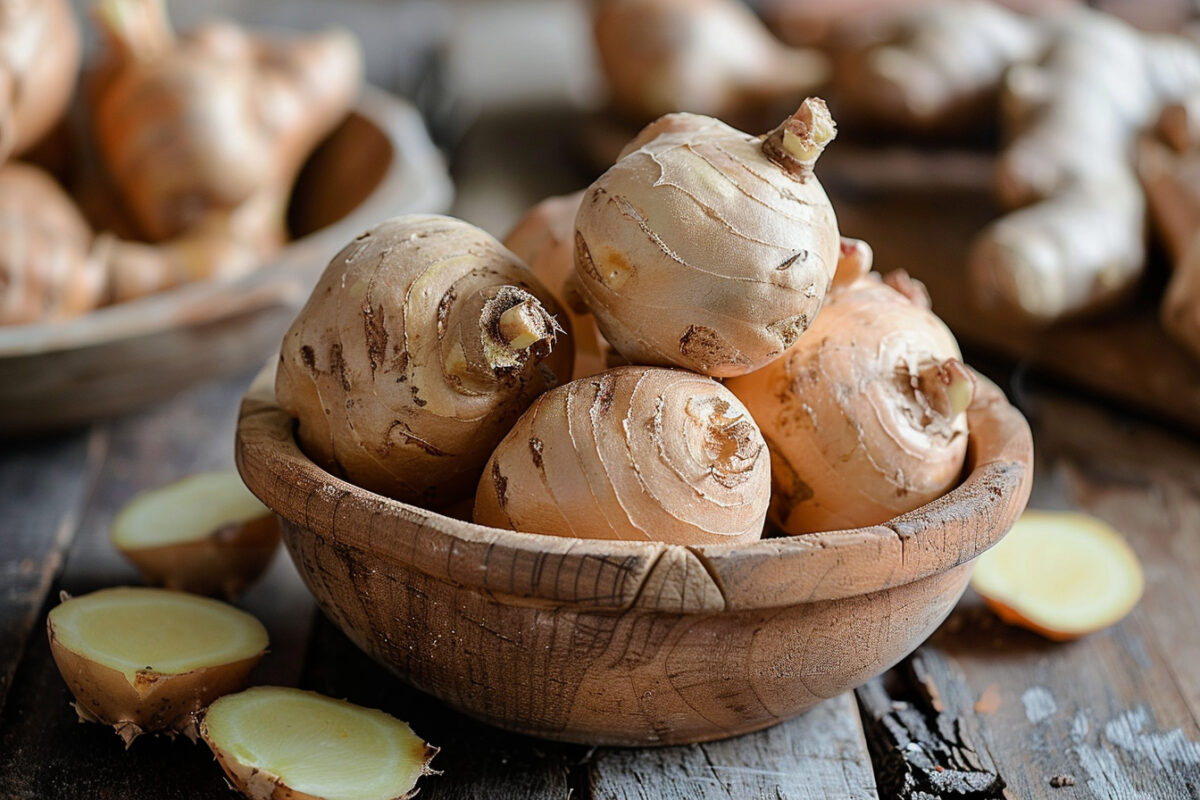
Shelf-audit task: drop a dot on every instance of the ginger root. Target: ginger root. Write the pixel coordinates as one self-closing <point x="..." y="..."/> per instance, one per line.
<point x="1060" y="574"/>
<point x="710" y="57"/>
<point x="421" y="344"/>
<point x="39" y="64"/>
<point x="864" y="415"/>
<point x="635" y="453"/>
<point x="196" y="126"/>
<point x="544" y="238"/>
<point x="707" y="248"/>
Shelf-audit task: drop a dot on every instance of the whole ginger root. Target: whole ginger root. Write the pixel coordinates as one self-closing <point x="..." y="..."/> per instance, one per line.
<point x="39" y="64"/>
<point x="864" y="414"/>
<point x="421" y="344"/>
<point x="195" y="126"/>
<point x="712" y="57"/>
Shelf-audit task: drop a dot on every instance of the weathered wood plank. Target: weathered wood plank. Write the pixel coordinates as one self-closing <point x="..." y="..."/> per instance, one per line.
<point x="44" y="752"/>
<point x="42" y="486"/>
<point x="820" y="754"/>
<point x="477" y="761"/>
<point x="1113" y="714"/>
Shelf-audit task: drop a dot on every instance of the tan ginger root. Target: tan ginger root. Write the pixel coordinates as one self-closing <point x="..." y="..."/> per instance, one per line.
<point x="39" y="64"/>
<point x="544" y="238"/>
<point x="710" y="57"/>
<point x="421" y="344"/>
<point x="864" y="415"/>
<point x="275" y="742"/>
<point x="940" y="71"/>
<point x="708" y="248"/>
<point x="1172" y="183"/>
<point x="196" y="126"/>
<point x="635" y="453"/>
<point x="53" y="267"/>
<point x="1077" y="242"/>
<point x="1060" y="574"/>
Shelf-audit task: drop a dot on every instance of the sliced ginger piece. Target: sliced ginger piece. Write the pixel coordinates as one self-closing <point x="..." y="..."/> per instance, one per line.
<point x="1060" y="574"/>
<point x="205" y="534"/>
<point x="146" y="660"/>
<point x="275" y="742"/>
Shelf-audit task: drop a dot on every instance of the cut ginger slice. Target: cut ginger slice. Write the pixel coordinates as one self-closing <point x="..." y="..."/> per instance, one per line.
<point x="205" y="534"/>
<point x="147" y="660"/>
<point x="1060" y="574"/>
<point x="278" y="742"/>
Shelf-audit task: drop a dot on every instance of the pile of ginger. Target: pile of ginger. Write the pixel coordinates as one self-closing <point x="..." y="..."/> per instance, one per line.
<point x="179" y="151"/>
<point x="680" y="351"/>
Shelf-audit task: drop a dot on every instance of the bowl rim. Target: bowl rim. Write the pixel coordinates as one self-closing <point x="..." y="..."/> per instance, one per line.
<point x="605" y="575"/>
<point x="416" y="177"/>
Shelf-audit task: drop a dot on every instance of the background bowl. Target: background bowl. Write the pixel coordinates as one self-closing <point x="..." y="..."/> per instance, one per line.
<point x="631" y="643"/>
<point x="379" y="163"/>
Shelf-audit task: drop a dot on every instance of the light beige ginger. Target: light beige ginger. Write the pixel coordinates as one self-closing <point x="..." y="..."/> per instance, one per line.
<point x="39" y="65"/>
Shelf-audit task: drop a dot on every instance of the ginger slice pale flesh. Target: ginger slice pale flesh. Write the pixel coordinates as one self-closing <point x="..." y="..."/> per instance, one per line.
<point x="280" y="742"/>
<point x="147" y="659"/>
<point x="1060" y="574"/>
<point x="205" y="534"/>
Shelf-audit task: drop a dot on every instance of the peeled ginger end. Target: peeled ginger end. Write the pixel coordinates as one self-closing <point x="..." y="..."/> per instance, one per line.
<point x="1060" y="574"/>
<point x="205" y="534"/>
<point x="279" y="742"/>
<point x="146" y="660"/>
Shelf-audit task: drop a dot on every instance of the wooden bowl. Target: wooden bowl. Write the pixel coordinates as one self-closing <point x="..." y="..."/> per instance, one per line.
<point x="379" y="163"/>
<point x="630" y="643"/>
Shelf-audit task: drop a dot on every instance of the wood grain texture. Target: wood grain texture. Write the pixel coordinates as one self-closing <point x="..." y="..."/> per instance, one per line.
<point x="54" y="375"/>
<point x="921" y="211"/>
<point x="629" y="642"/>
<point x="1115" y="712"/>
<point x="60" y="475"/>
<point x="818" y="755"/>
<point x="44" y="751"/>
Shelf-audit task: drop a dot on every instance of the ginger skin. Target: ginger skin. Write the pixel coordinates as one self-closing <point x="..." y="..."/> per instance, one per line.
<point x="421" y="344"/>
<point x="864" y="414"/>
<point x="39" y="63"/>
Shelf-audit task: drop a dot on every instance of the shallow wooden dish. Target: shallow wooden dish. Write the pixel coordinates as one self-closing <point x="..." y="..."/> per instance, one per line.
<point x="630" y="643"/>
<point x="379" y="163"/>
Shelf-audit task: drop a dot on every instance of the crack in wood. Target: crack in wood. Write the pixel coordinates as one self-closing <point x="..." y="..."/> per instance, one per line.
<point x="919" y="750"/>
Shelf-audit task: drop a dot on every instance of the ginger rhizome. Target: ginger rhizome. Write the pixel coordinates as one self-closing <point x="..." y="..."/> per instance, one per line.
<point x="940" y="70"/>
<point x="635" y="453"/>
<point x="39" y="65"/>
<point x="275" y="742"/>
<point x="147" y="660"/>
<point x="205" y="534"/>
<point x="707" y="248"/>
<point x="421" y="344"/>
<point x="865" y="414"/>
<point x="195" y="127"/>
<point x="544" y="238"/>
<point x="1060" y="574"/>
<point x="712" y="57"/>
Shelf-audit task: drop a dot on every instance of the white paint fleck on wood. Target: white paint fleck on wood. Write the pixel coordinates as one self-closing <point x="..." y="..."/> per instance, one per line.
<point x="1039" y="704"/>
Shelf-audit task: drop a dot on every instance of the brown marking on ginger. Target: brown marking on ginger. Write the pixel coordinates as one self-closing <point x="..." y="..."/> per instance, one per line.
<point x="799" y="255"/>
<point x="789" y="330"/>
<point x="409" y="438"/>
<point x="605" y="386"/>
<point x="500" y="484"/>
<point x="416" y="397"/>
<point x="309" y="358"/>
<point x="730" y="442"/>
<point x="337" y="365"/>
<point x="375" y="334"/>
<point x="706" y="348"/>
<point x="443" y="310"/>
<point x="535" y="447"/>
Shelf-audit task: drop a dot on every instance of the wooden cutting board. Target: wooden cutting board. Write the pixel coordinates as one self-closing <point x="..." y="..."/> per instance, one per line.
<point x="920" y="212"/>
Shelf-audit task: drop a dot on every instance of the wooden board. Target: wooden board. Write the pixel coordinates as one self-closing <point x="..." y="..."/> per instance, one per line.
<point x="920" y="213"/>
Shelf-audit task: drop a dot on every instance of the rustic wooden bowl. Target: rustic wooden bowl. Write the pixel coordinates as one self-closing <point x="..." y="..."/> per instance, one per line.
<point x="630" y="643"/>
<point x="379" y="163"/>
